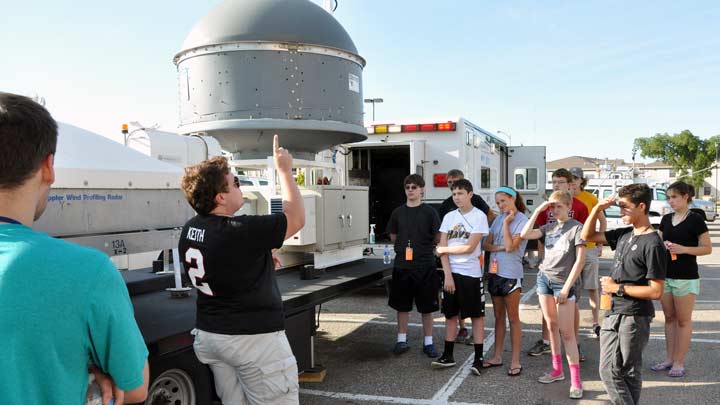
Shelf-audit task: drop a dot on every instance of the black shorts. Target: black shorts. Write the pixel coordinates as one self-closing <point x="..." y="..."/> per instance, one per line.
<point x="468" y="300"/>
<point x="419" y="285"/>
<point x="500" y="286"/>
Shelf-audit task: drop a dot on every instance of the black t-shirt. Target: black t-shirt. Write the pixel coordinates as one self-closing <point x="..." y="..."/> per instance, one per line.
<point x="418" y="225"/>
<point x="686" y="233"/>
<point x="229" y="261"/>
<point x="638" y="259"/>
<point x="449" y="205"/>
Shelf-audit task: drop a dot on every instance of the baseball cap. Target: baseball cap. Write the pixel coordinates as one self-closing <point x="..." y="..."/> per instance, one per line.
<point x="577" y="172"/>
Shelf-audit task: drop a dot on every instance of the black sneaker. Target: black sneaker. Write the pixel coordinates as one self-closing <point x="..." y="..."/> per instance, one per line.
<point x="430" y="351"/>
<point x="400" y="348"/>
<point x="596" y="329"/>
<point x="539" y="349"/>
<point x="444" y="361"/>
<point x="477" y="367"/>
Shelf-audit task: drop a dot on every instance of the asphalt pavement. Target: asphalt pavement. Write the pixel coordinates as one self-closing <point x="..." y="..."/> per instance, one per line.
<point x="357" y="333"/>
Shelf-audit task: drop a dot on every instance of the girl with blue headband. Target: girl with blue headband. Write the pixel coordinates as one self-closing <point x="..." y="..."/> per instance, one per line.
<point x="505" y="274"/>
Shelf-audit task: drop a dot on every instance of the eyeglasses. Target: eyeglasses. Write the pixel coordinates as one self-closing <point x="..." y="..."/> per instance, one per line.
<point x="559" y="182"/>
<point x="411" y="187"/>
<point x="236" y="182"/>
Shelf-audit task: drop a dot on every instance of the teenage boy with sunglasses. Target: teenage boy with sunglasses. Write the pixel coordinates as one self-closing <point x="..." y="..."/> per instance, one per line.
<point x="413" y="227"/>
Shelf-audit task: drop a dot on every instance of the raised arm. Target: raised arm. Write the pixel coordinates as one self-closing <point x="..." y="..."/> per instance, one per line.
<point x="589" y="232"/>
<point x="293" y="205"/>
<point x="511" y="241"/>
<point x="528" y="232"/>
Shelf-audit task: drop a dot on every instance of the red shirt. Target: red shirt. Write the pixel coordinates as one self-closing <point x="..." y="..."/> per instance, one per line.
<point x="578" y="212"/>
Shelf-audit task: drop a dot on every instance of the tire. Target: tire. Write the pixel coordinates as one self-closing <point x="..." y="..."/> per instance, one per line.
<point x="179" y="379"/>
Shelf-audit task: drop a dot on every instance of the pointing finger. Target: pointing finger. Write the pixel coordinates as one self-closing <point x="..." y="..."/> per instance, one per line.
<point x="276" y="143"/>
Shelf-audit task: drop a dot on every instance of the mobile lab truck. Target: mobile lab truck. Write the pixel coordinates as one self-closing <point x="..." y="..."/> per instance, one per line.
<point x="395" y="149"/>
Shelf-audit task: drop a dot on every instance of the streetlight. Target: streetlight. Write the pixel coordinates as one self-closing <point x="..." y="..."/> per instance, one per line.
<point x="506" y="134"/>
<point x="373" y="101"/>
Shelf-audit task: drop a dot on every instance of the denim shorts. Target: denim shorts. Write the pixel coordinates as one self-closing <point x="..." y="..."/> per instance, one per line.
<point x="547" y="287"/>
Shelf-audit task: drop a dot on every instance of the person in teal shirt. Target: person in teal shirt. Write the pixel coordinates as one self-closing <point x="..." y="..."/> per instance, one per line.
<point x="61" y="305"/>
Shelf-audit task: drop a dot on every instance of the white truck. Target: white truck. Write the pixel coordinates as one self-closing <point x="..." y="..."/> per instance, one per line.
<point x="395" y="149"/>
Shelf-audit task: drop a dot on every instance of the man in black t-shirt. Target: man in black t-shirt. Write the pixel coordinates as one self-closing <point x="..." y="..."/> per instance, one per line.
<point x="240" y="321"/>
<point x="637" y="278"/>
<point x="448" y="205"/>
<point x="413" y="227"/>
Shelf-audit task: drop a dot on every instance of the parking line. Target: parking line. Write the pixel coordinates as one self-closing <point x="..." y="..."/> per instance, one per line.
<point x="457" y="379"/>
<point x="380" y="398"/>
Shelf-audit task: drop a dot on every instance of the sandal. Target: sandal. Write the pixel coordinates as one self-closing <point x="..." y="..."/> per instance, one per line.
<point x="514" y="372"/>
<point x="487" y="364"/>
<point x="676" y="372"/>
<point x="661" y="366"/>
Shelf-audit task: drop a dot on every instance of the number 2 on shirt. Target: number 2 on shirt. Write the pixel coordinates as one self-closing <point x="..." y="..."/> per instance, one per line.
<point x="197" y="272"/>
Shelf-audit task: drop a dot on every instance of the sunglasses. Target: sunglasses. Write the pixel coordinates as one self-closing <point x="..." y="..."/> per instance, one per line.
<point x="236" y="182"/>
<point x="411" y="187"/>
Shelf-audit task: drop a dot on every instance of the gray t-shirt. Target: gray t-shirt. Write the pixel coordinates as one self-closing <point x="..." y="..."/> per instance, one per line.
<point x="561" y="240"/>
<point x="509" y="264"/>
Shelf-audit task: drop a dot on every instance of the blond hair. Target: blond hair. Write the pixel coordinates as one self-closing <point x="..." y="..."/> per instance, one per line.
<point x="562" y="196"/>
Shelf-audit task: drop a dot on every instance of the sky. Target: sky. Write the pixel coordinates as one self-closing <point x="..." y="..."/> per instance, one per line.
<point x="580" y="77"/>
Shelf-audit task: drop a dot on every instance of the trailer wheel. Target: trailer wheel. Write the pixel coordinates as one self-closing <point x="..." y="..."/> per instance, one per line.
<point x="180" y="380"/>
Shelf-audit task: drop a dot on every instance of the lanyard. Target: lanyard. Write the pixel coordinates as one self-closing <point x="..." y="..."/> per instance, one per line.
<point x="9" y="220"/>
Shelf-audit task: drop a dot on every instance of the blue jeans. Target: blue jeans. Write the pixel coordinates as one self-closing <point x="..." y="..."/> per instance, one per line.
<point x="547" y="287"/>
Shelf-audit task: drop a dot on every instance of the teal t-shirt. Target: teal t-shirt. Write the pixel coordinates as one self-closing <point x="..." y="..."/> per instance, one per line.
<point x="62" y="305"/>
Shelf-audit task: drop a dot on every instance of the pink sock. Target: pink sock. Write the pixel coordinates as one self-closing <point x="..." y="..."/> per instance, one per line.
<point x="557" y="365"/>
<point x="575" y="380"/>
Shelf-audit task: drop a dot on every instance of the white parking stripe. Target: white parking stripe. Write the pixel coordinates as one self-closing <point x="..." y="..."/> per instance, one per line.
<point x="457" y="379"/>
<point x="380" y="398"/>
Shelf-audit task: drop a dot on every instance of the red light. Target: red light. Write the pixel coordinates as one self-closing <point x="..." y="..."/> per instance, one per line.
<point x="440" y="180"/>
<point x="447" y="126"/>
<point x="428" y="127"/>
<point x="411" y="128"/>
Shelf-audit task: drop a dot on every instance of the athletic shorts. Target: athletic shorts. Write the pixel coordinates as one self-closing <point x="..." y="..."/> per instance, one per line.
<point x="468" y="301"/>
<point x="415" y="285"/>
<point x="589" y="277"/>
<point x="547" y="287"/>
<point x="500" y="286"/>
<point x="680" y="288"/>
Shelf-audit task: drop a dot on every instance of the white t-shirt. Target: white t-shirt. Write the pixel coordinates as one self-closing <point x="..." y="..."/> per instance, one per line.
<point x="458" y="228"/>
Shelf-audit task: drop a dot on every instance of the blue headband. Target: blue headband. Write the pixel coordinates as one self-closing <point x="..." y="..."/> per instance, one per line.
<point x="507" y="190"/>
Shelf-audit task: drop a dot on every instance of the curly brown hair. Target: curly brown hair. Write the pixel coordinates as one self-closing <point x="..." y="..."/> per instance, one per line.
<point x="203" y="181"/>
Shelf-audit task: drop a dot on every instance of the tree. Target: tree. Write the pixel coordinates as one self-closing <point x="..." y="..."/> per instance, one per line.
<point x="689" y="156"/>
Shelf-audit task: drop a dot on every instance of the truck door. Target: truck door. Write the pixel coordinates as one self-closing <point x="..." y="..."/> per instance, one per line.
<point x="526" y="173"/>
<point x="417" y="158"/>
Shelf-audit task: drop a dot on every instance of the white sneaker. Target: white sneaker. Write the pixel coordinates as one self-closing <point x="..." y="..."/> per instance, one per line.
<point x="576" y="393"/>
<point x="548" y="378"/>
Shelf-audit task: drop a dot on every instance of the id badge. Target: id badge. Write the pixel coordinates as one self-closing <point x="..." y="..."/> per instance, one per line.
<point x="408" y="254"/>
<point x="494" y="266"/>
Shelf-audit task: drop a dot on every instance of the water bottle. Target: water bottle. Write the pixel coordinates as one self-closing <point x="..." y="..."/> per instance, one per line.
<point x="94" y="394"/>
<point x="386" y="255"/>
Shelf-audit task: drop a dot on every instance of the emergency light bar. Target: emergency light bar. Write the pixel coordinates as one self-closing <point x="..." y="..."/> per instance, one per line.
<point x="394" y="129"/>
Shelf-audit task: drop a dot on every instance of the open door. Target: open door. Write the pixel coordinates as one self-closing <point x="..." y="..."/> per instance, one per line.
<point x="417" y="158"/>
<point x="526" y="173"/>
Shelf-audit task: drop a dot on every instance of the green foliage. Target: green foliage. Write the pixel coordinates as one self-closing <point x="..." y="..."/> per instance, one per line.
<point x="685" y="152"/>
<point x="300" y="179"/>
